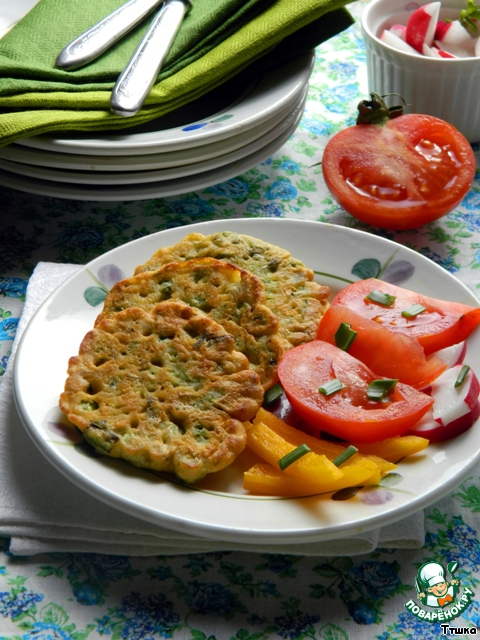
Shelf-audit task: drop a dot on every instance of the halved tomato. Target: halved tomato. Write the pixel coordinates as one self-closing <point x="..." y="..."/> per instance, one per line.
<point x="442" y="324"/>
<point x="397" y="171"/>
<point x="393" y="355"/>
<point x="347" y="413"/>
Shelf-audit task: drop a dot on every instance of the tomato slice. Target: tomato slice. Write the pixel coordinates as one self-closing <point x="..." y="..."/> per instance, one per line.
<point x="393" y="355"/>
<point x="441" y="325"/>
<point x="348" y="413"/>
<point x="399" y="175"/>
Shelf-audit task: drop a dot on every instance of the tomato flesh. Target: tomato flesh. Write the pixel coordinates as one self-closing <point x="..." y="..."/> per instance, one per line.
<point x="388" y="354"/>
<point x="443" y="323"/>
<point x="348" y="413"/>
<point x="400" y="175"/>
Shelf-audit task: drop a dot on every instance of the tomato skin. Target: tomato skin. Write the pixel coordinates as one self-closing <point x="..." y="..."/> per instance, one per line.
<point x="347" y="414"/>
<point x="400" y="175"/>
<point x="389" y="354"/>
<point x="442" y="325"/>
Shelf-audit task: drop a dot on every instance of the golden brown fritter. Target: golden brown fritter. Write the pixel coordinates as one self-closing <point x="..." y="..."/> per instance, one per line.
<point x="165" y="390"/>
<point x="231" y="296"/>
<point x="297" y="301"/>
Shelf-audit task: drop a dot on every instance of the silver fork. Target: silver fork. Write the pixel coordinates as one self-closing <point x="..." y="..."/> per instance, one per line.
<point x="138" y="77"/>
<point x="93" y="42"/>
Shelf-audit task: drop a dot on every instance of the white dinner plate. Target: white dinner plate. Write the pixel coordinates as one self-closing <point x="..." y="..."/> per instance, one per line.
<point x="273" y="91"/>
<point x="147" y="162"/>
<point x="218" y="508"/>
<point x="110" y="178"/>
<point x="148" y="190"/>
<point x="11" y="12"/>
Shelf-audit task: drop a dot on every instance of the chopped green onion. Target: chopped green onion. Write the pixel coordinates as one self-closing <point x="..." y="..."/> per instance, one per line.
<point x="330" y="387"/>
<point x="378" y="389"/>
<point x="272" y="394"/>
<point x="385" y="299"/>
<point x="462" y="375"/>
<point x="413" y="311"/>
<point x="345" y="455"/>
<point x="293" y="456"/>
<point x="345" y="336"/>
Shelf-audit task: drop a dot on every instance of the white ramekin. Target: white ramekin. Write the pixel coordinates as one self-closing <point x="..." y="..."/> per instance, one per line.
<point x="446" y="88"/>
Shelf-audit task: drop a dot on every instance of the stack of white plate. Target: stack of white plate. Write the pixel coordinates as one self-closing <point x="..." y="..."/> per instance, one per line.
<point x="214" y="139"/>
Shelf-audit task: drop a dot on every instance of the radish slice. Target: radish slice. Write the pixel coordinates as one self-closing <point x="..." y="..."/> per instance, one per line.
<point x="397" y="43"/>
<point x="430" y="429"/>
<point x="477" y="48"/>
<point x="439" y="29"/>
<point x="454" y="33"/>
<point x="444" y="54"/>
<point x="452" y="402"/>
<point x="453" y="49"/>
<point x="431" y="52"/>
<point x="453" y="355"/>
<point x="455" y="409"/>
<point x="398" y="30"/>
<point x="435" y="52"/>
<point x="421" y="26"/>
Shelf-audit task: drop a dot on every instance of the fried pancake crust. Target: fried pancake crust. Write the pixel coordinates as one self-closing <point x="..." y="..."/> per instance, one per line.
<point x="229" y="295"/>
<point x="296" y="300"/>
<point x="165" y="390"/>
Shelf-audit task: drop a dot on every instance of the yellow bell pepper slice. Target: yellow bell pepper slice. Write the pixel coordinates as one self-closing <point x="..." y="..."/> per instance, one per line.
<point x="384" y="466"/>
<point x="323" y="447"/>
<point x="271" y="447"/>
<point x="394" y="449"/>
<point x="264" y="479"/>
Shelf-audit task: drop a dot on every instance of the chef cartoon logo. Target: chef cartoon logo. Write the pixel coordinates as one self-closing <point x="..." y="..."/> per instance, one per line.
<point x="439" y="591"/>
<point x="433" y="587"/>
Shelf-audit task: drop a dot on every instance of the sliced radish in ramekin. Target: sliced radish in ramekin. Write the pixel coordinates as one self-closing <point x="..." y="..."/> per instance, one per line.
<point x="388" y="37"/>
<point x="454" y="33"/>
<point x="421" y="26"/>
<point x="398" y="30"/>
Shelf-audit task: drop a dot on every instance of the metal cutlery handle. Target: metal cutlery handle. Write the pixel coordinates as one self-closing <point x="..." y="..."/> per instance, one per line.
<point x="140" y="74"/>
<point x="90" y="44"/>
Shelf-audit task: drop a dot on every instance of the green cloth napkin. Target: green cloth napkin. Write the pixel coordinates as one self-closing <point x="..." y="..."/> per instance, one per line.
<point x="226" y="36"/>
<point x="28" y="52"/>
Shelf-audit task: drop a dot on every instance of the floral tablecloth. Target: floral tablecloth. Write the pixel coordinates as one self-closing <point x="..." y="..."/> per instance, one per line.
<point x="242" y="596"/>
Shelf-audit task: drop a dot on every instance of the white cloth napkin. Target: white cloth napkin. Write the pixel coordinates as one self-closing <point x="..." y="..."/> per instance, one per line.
<point x="44" y="512"/>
